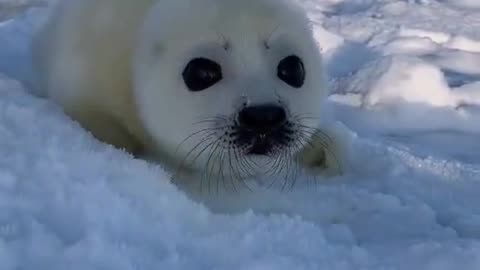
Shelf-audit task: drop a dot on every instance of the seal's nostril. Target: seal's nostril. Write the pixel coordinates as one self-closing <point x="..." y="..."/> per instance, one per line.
<point x="262" y="117"/>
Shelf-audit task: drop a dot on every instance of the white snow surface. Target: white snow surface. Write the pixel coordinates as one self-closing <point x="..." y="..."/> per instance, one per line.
<point x="405" y="78"/>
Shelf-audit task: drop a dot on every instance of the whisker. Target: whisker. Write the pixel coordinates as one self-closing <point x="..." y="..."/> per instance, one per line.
<point x="209" y="169"/>
<point x="240" y="162"/>
<point x="243" y="163"/>
<point x="232" y="171"/>
<point x="195" y="134"/>
<point x="295" y="171"/>
<point x="315" y="131"/>
<point x="285" y="182"/>
<point x="198" y="155"/>
<point x="274" y="175"/>
<point x="214" y="119"/>
<point x="222" y="160"/>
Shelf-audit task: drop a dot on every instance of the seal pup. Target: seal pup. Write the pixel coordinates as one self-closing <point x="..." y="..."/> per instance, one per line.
<point x="210" y="89"/>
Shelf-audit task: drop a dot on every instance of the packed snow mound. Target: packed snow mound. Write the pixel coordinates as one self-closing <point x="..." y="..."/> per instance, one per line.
<point x="407" y="79"/>
<point x="405" y="83"/>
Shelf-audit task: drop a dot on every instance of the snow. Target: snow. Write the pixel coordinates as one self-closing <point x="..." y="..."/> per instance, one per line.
<point x="405" y="78"/>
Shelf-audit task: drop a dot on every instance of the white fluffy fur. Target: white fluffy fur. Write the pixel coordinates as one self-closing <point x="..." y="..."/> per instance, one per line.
<point x="115" y="66"/>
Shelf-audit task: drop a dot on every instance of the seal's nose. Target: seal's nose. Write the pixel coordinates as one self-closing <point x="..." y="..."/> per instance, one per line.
<point x="262" y="117"/>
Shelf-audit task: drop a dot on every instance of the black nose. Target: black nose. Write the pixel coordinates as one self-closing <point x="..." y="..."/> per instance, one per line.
<point x="262" y="117"/>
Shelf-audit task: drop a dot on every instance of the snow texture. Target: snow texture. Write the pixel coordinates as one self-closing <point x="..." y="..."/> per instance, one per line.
<point x="405" y="78"/>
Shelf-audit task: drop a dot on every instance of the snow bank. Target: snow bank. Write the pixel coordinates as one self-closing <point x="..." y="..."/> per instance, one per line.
<point x="69" y="202"/>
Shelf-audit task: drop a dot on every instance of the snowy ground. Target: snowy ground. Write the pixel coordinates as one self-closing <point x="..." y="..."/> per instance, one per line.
<point x="405" y="79"/>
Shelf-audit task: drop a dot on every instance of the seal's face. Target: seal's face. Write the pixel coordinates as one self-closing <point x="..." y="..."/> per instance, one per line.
<point x="233" y="90"/>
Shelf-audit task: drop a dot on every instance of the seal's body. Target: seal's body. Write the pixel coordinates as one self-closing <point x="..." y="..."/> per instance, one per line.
<point x="218" y="88"/>
<point x="83" y="59"/>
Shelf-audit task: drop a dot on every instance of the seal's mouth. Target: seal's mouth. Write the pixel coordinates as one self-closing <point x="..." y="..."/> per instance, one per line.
<point x="261" y="146"/>
<point x="266" y="142"/>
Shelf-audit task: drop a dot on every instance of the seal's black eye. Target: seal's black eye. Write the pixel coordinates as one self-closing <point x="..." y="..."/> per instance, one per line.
<point x="291" y="71"/>
<point x="201" y="73"/>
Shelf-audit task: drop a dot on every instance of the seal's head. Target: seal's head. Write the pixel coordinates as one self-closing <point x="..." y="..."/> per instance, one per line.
<point x="232" y="88"/>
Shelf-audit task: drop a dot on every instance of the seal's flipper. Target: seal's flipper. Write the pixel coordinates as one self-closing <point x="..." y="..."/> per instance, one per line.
<point x="327" y="153"/>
